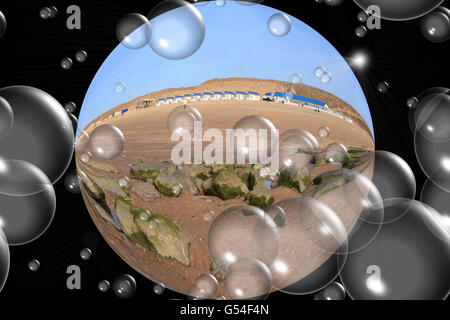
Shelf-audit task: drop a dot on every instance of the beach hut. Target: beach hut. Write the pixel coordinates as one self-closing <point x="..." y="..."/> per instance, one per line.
<point x="279" y="97"/>
<point x="160" y="102"/>
<point x="217" y="95"/>
<point x="239" y="95"/>
<point x="170" y="100"/>
<point x="196" y="96"/>
<point x="178" y="98"/>
<point x="187" y="97"/>
<point x="268" y="96"/>
<point x="123" y="112"/>
<point x="253" y="96"/>
<point x="206" y="96"/>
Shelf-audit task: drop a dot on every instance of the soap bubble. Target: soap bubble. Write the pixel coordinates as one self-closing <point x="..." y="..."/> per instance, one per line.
<point x="279" y="25"/>
<point x="383" y="87"/>
<point x="326" y="78"/>
<point x="81" y="56"/>
<point x="178" y="29"/>
<point x="335" y="291"/>
<point x="34" y="265"/>
<point x="158" y="289"/>
<point x="241" y="232"/>
<point x="362" y="16"/>
<point x="205" y="287"/>
<point x="304" y="264"/>
<point x="324" y="132"/>
<point x="296" y="78"/>
<point x="435" y="26"/>
<point x="248" y="2"/>
<point x="66" y="63"/>
<point x="6" y="118"/>
<point x="423" y="99"/>
<point x="133" y="31"/>
<point x="103" y="286"/>
<point x="86" y="157"/>
<point x="220" y="3"/>
<point x="248" y="279"/>
<point x="85" y="254"/>
<point x="106" y="142"/>
<point x="401" y="9"/>
<point x="333" y="3"/>
<point x="361" y="31"/>
<point x="124" y="182"/>
<point x="308" y="135"/>
<point x="406" y="261"/>
<point x="295" y="148"/>
<point x="21" y="178"/>
<point x="74" y="121"/>
<point x="45" y="13"/>
<point x="432" y="115"/>
<point x="2" y="24"/>
<point x="43" y="137"/>
<point x="412" y="102"/>
<point x="53" y="11"/>
<point x="183" y="118"/>
<point x="335" y="153"/>
<point x="70" y="107"/>
<point x="124" y="286"/>
<point x="4" y="257"/>
<point x="319" y="72"/>
<point x="82" y="141"/>
<point x="119" y="87"/>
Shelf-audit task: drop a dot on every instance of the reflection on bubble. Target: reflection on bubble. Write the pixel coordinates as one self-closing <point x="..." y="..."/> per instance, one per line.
<point x="21" y="178"/>
<point x="43" y="137"/>
<point x="106" y="142"/>
<point x="81" y="56"/>
<point x="178" y="29"/>
<point x="74" y="121"/>
<point x="383" y="87"/>
<point x="241" y="232"/>
<point x="124" y="286"/>
<point x="435" y="26"/>
<point x="34" y="265"/>
<point x="326" y="78"/>
<point x="205" y="287"/>
<point x="295" y="148"/>
<point x="279" y="25"/>
<point x="361" y="31"/>
<point x="103" y="286"/>
<point x="439" y="200"/>
<point x="248" y="279"/>
<point x="324" y="132"/>
<point x="66" y="63"/>
<point x="296" y="78"/>
<point x="6" y="118"/>
<point x="45" y="13"/>
<point x="124" y="182"/>
<point x="335" y="291"/>
<point x="119" y="87"/>
<point x="319" y="72"/>
<point x="405" y="261"/>
<point x="133" y="31"/>
<point x="335" y="153"/>
<point x="4" y="256"/>
<point x="158" y="289"/>
<point x="182" y="119"/>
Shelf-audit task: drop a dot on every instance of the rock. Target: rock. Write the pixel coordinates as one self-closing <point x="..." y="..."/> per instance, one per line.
<point x="327" y="182"/>
<point x="218" y="269"/>
<point x="101" y="211"/>
<point x="154" y="232"/>
<point x="196" y="171"/>
<point x="318" y="159"/>
<point x="227" y="185"/>
<point x="93" y="189"/>
<point x="112" y="185"/>
<point x="104" y="166"/>
<point x="189" y="183"/>
<point x="260" y="196"/>
<point x="167" y="185"/>
<point x="295" y="176"/>
<point x="255" y="177"/>
<point x="146" y="191"/>
<point x="216" y="168"/>
<point x="149" y="171"/>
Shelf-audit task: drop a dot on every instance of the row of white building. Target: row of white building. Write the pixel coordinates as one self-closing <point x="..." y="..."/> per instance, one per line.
<point x="206" y="96"/>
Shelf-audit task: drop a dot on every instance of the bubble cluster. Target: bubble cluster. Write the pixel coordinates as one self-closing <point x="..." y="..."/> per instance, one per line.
<point x="133" y="31"/>
<point x="124" y="286"/>
<point x="279" y="25"/>
<point x="34" y="265"/>
<point x="81" y="56"/>
<point x="106" y="142"/>
<point x="103" y="286"/>
<point x="66" y="63"/>
<point x="205" y="287"/>
<point x="178" y="29"/>
<point x="322" y="74"/>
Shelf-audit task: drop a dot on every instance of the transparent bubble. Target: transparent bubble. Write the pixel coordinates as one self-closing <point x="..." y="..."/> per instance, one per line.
<point x="106" y="142"/>
<point x="4" y="257"/>
<point x="335" y="153"/>
<point x="124" y="182"/>
<point x="220" y="3"/>
<point x="25" y="218"/>
<point x="86" y="157"/>
<point x="296" y="78"/>
<point x="124" y="286"/>
<point x="66" y="63"/>
<point x="312" y="139"/>
<point x="103" y="286"/>
<point x="248" y="279"/>
<point x="183" y="118"/>
<point x="362" y="16"/>
<point x="335" y="291"/>
<point x="43" y="137"/>
<point x="2" y="24"/>
<point x="404" y="262"/>
<point x="301" y="266"/>
<point x="159" y="289"/>
<point x="119" y="87"/>
<point x="70" y="107"/>
<point x="295" y="149"/>
<point x="439" y="200"/>
<point x="333" y="3"/>
<point x="279" y="25"/>
<point x="81" y="56"/>
<point x="263" y="139"/>
<point x="361" y="31"/>
<point x="356" y="201"/>
<point x="205" y="287"/>
<point x="177" y="190"/>
<point x="82" y="141"/>
<point x="6" y="118"/>
<point x="85" y="254"/>
<point x="208" y="216"/>
<point x="53" y="11"/>
<point x="74" y="121"/>
<point x="401" y="9"/>
<point x="34" y="265"/>
<point x="144" y="215"/>
<point x="324" y="132"/>
<point x="133" y="31"/>
<point x="71" y="182"/>
<point x="435" y="26"/>
<point x="241" y="232"/>
<point x="431" y="117"/>
<point x="319" y="72"/>
<point x="45" y="13"/>
<point x="423" y="99"/>
<point x="383" y="87"/>
<point x="21" y="178"/>
<point x="199" y="3"/>
<point x="326" y="78"/>
<point x="412" y="102"/>
<point x="248" y="2"/>
<point x="178" y="29"/>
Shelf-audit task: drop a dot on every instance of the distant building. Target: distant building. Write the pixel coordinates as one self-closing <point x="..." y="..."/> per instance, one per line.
<point x="253" y="96"/>
<point x="196" y="96"/>
<point x="206" y="96"/>
<point x="239" y="95"/>
<point x="269" y="96"/>
<point x="228" y="95"/>
<point x="187" y="97"/>
<point x="217" y="95"/>
<point x="145" y="103"/>
<point x="160" y="101"/>
<point x="179" y="99"/>
<point x="170" y="100"/>
<point x="123" y="112"/>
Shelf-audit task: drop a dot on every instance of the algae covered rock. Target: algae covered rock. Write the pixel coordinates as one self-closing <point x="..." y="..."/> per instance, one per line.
<point x="196" y="171"/>
<point x="295" y="176"/>
<point x="327" y="182"/>
<point x="260" y="196"/>
<point x="154" y="232"/>
<point x="93" y="189"/>
<point x="111" y="184"/>
<point x="149" y="171"/>
<point x="146" y="191"/>
<point x="168" y="185"/>
<point x="189" y="184"/>
<point x="227" y="185"/>
<point x="104" y="166"/>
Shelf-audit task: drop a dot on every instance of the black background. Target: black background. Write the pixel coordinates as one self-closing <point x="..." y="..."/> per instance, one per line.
<point x="31" y="51"/>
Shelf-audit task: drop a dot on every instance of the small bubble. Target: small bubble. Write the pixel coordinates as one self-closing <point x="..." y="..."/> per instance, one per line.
<point x="221" y="3"/>
<point x="435" y="26"/>
<point x="145" y="215"/>
<point x="85" y="254"/>
<point x="279" y="25"/>
<point x="326" y="78"/>
<point x="53" y="11"/>
<point x="177" y="190"/>
<point x="361" y="31"/>
<point x="333" y="3"/>
<point x="383" y="87"/>
<point x="45" y="13"/>
<point x="34" y="265"/>
<point x="124" y="182"/>
<point x="158" y="289"/>
<point x="103" y="286"/>
<point x="66" y="63"/>
<point x="362" y="16"/>
<point x="412" y="102"/>
<point x="71" y="182"/>
<point x="296" y="78"/>
<point x="86" y="157"/>
<point x="124" y="286"/>
<point x="208" y="216"/>
<point x="324" y="132"/>
<point x="335" y="153"/>
<point x="319" y="72"/>
<point x="133" y="31"/>
<point x="119" y="87"/>
<point x="70" y="107"/>
<point x="81" y="56"/>
<point x="106" y="142"/>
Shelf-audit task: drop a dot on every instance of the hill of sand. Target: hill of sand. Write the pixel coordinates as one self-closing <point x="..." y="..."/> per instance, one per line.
<point x="257" y="85"/>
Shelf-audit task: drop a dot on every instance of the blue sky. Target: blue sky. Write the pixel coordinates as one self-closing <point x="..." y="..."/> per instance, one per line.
<point x="237" y="44"/>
